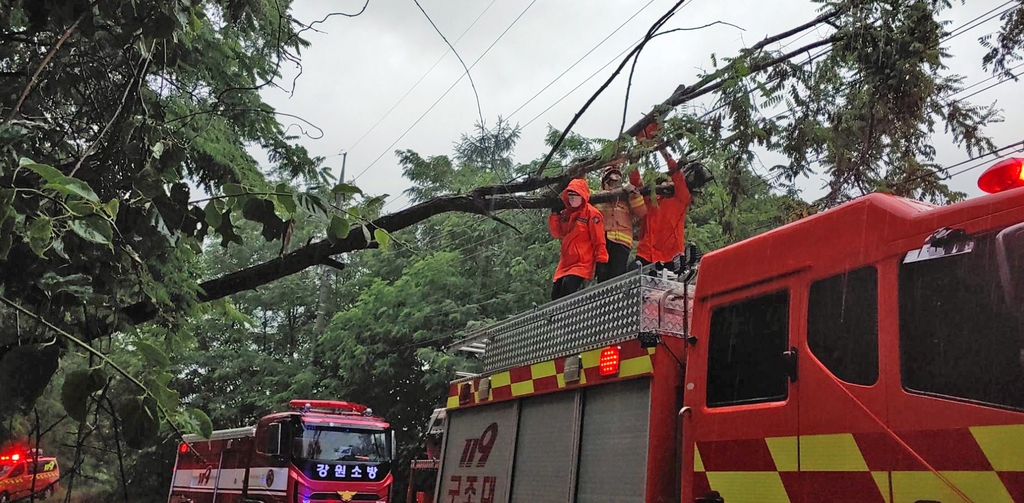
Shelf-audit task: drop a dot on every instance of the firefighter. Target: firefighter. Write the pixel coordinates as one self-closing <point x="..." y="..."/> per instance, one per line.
<point x="580" y="227"/>
<point x="662" y="229"/>
<point x="619" y="216"/>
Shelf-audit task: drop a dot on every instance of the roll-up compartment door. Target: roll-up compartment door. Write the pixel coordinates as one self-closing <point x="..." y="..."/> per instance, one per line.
<point x="545" y="449"/>
<point x="478" y="454"/>
<point x="613" y="443"/>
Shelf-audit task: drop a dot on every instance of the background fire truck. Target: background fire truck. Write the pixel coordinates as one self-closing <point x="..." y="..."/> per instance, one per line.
<point x="24" y="471"/>
<point x="320" y="450"/>
<point x="870" y="353"/>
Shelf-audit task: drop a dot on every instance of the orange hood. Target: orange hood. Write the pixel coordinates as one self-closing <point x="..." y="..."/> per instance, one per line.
<point x="579" y="186"/>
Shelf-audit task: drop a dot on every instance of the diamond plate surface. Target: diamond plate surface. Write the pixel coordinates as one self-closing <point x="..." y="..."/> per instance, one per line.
<point x="606" y="314"/>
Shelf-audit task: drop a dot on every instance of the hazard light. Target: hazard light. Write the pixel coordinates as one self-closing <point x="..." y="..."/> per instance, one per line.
<point x="1004" y="175"/>
<point x="183" y="448"/>
<point x="609" y="363"/>
<point x="329" y="406"/>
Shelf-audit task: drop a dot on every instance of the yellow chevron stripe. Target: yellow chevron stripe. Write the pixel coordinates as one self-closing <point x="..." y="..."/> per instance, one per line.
<point x="882" y="481"/>
<point x="698" y="464"/>
<point x="831" y="453"/>
<point x="453" y="402"/>
<point x="910" y="487"/>
<point x="635" y="366"/>
<point x="1002" y="445"/>
<point x="749" y="487"/>
<point x="784" y="453"/>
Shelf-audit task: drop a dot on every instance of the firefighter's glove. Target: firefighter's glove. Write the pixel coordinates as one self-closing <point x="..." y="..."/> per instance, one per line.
<point x="557" y="206"/>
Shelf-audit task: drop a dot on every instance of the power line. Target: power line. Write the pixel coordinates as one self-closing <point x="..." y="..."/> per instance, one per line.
<point x="414" y="86"/>
<point x="599" y="44"/>
<point x="382" y="154"/>
<point x="476" y="95"/>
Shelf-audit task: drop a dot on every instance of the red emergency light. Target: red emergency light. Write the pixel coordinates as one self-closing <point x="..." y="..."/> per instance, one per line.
<point x="1004" y="175"/>
<point x="183" y="448"/>
<point x="609" y="363"/>
<point x="330" y="406"/>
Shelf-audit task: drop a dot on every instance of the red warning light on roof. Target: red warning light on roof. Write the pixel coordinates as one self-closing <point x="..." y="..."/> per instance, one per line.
<point x="15" y="457"/>
<point x="183" y="448"/>
<point x="609" y="363"/>
<point x="1004" y="175"/>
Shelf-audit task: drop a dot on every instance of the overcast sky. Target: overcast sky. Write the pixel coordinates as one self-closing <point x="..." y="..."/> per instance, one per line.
<point x="359" y="68"/>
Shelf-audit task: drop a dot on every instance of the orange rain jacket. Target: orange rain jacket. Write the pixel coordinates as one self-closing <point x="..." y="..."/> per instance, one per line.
<point x="582" y="233"/>
<point x="661" y="232"/>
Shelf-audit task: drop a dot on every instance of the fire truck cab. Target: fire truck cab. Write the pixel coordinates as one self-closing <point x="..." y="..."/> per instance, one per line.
<point x="871" y="353"/>
<point x="320" y="450"/>
<point x="26" y="472"/>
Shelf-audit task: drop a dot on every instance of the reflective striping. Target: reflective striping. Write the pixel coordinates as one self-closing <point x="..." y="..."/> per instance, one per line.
<point x="547" y="376"/>
<point x="882" y="481"/>
<point x="522" y="388"/>
<point x="831" y="453"/>
<point x="635" y="366"/>
<point x="784" y="453"/>
<point x="698" y="464"/>
<point x="981" y="487"/>
<point x="1002" y="445"/>
<point x="544" y="369"/>
<point x="749" y="487"/>
<point x="501" y="379"/>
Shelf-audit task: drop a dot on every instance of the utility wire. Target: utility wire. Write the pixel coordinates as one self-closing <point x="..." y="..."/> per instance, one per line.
<point x="385" y="152"/>
<point x="414" y="86"/>
<point x="451" y="47"/>
<point x="578" y="61"/>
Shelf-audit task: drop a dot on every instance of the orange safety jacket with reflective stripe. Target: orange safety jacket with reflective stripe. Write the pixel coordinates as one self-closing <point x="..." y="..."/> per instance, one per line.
<point x="582" y="233"/>
<point x="619" y="215"/>
<point x="663" y="227"/>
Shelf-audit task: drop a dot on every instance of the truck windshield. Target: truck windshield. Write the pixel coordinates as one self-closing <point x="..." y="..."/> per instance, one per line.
<point x="960" y="337"/>
<point x="4" y="469"/>
<point x="334" y="443"/>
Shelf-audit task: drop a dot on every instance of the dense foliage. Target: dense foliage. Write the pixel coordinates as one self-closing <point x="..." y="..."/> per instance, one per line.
<point x="129" y="307"/>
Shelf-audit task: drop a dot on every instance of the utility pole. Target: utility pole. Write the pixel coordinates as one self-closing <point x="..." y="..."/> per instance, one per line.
<point x="325" y="271"/>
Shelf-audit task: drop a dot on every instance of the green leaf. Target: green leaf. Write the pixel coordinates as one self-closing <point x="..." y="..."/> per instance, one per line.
<point x="73" y="186"/>
<point x="153" y="355"/>
<point x="6" y="241"/>
<point x="158" y="149"/>
<point x="140" y="421"/>
<point x="48" y="173"/>
<point x="81" y="208"/>
<point x="382" y="237"/>
<point x="203" y="421"/>
<point x="366" y="234"/>
<point x="346" y="189"/>
<point x="39" y="235"/>
<point x="93" y="229"/>
<point x="79" y="385"/>
<point x="233" y="189"/>
<point x="112" y="208"/>
<point x="213" y="214"/>
<point x="285" y="198"/>
<point x="24" y="373"/>
<point x="338" y="228"/>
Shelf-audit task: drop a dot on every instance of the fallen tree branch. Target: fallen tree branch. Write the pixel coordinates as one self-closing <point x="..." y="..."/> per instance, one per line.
<point x="46" y="60"/>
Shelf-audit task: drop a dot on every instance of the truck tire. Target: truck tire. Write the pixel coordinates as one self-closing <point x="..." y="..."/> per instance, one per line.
<point x="4" y="498"/>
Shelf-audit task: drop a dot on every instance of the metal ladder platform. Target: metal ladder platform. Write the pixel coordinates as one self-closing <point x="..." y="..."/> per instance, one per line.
<point x="602" y="315"/>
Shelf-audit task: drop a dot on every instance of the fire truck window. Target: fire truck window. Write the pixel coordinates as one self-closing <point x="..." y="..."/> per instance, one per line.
<point x="17" y="471"/>
<point x="959" y="337"/>
<point x="747" y="339"/>
<point x="842" y="325"/>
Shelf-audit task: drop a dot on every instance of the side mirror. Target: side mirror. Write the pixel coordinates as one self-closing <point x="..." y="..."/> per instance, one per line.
<point x="1009" y="252"/>
<point x="273" y="440"/>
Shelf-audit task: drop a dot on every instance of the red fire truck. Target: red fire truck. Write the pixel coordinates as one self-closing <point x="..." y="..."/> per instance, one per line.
<point x="319" y="450"/>
<point x="870" y="353"/>
<point x="26" y="471"/>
